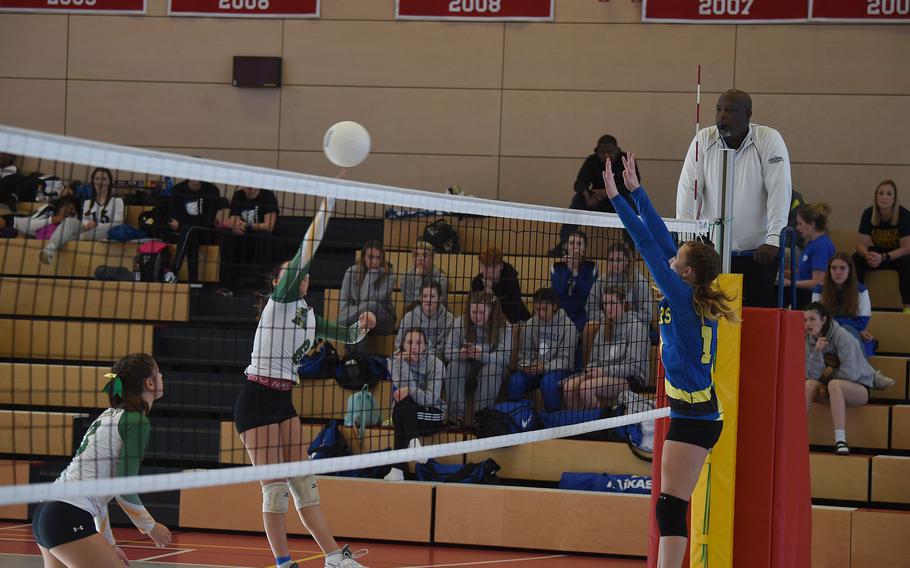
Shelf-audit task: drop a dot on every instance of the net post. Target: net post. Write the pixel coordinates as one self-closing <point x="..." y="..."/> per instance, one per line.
<point x="725" y="221"/>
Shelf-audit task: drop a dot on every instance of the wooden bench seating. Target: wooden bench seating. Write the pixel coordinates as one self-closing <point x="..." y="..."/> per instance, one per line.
<point x="896" y="368"/>
<point x="891" y="479"/>
<point x="65" y="298"/>
<point x="19" y="257"/>
<point x="38" y="384"/>
<point x="900" y="427"/>
<point x="890" y="328"/>
<point x="844" y="478"/>
<point x="867" y="426"/>
<point x="72" y="340"/>
<point x="37" y="433"/>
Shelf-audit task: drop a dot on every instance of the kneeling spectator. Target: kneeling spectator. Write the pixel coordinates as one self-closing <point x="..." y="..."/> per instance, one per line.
<point x="423" y="270"/>
<point x="847" y="300"/>
<point x="100" y="213"/>
<point x="417" y="375"/>
<point x="836" y="370"/>
<point x="548" y="343"/>
<point x="431" y="317"/>
<point x="479" y="351"/>
<point x="619" y="357"/>
<point x="883" y="242"/>
<point x="367" y="287"/>
<point x="249" y="247"/>
<point x="500" y="278"/>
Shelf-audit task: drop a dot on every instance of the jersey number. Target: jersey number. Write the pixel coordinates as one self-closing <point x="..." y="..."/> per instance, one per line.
<point x="707" y="334"/>
<point x="663" y="317"/>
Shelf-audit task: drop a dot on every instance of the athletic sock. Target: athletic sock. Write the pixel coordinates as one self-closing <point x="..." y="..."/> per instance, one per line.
<point x="282" y="560"/>
<point x="840" y="436"/>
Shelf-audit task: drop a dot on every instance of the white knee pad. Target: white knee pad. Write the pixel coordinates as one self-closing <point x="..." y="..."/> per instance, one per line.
<point x="304" y="490"/>
<point x="275" y="497"/>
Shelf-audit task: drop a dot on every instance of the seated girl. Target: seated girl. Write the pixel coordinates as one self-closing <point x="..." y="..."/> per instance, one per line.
<point x="619" y="357"/>
<point x="421" y="272"/>
<point x="367" y="287"/>
<point x="847" y="299"/>
<point x="431" y="317"/>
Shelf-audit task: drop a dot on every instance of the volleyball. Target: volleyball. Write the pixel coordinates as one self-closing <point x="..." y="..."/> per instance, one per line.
<point x="346" y="144"/>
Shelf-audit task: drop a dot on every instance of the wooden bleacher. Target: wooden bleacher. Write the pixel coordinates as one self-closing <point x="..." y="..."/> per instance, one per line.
<point x="37" y="433"/>
<point x="38" y="384"/>
<point x="867" y="426"/>
<point x="79" y="259"/>
<point x="896" y="368"/>
<point x="93" y="299"/>
<point x="900" y="427"/>
<point x="72" y="340"/>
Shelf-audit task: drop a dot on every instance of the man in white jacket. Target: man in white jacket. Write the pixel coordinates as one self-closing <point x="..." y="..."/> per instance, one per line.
<point x="762" y="190"/>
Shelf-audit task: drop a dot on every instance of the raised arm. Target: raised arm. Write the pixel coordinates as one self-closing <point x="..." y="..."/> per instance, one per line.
<point x="349" y="334"/>
<point x="646" y="210"/>
<point x="288" y="288"/>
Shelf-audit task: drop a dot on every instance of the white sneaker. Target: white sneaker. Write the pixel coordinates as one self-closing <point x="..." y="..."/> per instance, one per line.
<point x="47" y="253"/>
<point x="346" y="559"/>
<point x="394" y="474"/>
<point x="881" y="382"/>
<point x="414" y="444"/>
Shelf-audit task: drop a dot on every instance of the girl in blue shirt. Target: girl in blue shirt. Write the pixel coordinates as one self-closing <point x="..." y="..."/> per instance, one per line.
<point x="812" y="225"/>
<point x="688" y="316"/>
<point x="573" y="277"/>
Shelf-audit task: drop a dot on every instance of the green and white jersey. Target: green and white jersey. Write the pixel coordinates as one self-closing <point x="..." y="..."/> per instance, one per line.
<point x="112" y="447"/>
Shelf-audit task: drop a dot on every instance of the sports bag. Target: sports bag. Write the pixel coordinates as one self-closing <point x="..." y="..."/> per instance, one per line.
<point x="319" y="363"/>
<point x="329" y="443"/>
<point x="442" y="236"/>
<point x="359" y="369"/>
<point x="638" y="484"/>
<point x="361" y="411"/>
<point x="152" y="261"/>
<point x="483" y="472"/>
<point x="507" y="417"/>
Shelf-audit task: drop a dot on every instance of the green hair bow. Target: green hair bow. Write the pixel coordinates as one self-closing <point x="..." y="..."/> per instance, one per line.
<point x="114" y="385"/>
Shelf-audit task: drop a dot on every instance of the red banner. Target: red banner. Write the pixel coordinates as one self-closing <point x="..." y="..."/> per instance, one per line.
<point x="725" y="11"/>
<point x="474" y="10"/>
<point x="868" y="11"/>
<point x="244" y="8"/>
<point x="77" y="6"/>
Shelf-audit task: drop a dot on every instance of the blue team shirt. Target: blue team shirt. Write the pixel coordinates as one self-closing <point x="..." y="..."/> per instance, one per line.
<point x="815" y="257"/>
<point x="573" y="291"/>
<point x="688" y="341"/>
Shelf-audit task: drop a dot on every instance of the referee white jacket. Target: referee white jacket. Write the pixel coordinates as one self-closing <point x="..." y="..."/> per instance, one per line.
<point x="761" y="184"/>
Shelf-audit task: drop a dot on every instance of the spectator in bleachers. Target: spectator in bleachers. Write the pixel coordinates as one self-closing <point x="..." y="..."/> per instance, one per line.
<point x="619" y="358"/>
<point x="573" y="278"/>
<point x="621" y="273"/>
<point x="7" y="164"/>
<point x="367" y="287"/>
<point x="430" y="316"/>
<point x="100" y="213"/>
<point x="500" y="278"/>
<point x="38" y="222"/>
<point x="479" y="348"/>
<point x="812" y="225"/>
<point x="423" y="270"/>
<point x="836" y="370"/>
<point x="417" y="375"/>
<point x="589" y="185"/>
<point x="194" y="205"/>
<point x="547" y="353"/>
<point x="248" y="247"/>
<point x="847" y="300"/>
<point x="883" y="242"/>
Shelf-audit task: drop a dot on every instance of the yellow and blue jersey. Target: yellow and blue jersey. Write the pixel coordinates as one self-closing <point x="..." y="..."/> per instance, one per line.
<point x="688" y="341"/>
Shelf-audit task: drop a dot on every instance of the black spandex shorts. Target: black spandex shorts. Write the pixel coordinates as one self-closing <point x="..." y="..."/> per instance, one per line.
<point x="258" y="405"/>
<point x="56" y="523"/>
<point x="704" y="433"/>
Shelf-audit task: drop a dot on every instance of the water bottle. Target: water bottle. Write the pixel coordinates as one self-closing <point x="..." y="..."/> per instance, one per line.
<point x="137" y="269"/>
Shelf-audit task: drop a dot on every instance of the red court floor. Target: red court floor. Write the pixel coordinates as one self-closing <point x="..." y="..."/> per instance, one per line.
<point x="200" y="549"/>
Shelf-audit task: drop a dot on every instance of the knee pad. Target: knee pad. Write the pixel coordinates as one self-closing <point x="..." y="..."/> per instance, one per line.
<point x="304" y="490"/>
<point x="671" y="516"/>
<point x="275" y="497"/>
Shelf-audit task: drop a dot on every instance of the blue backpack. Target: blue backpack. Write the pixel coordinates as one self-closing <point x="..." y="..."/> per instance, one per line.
<point x="483" y="472"/>
<point x="507" y="417"/>
<point x="362" y="411"/>
<point x="638" y="484"/>
<point x="329" y="443"/>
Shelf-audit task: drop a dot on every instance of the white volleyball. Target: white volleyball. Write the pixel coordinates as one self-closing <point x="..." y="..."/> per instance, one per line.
<point x="346" y="144"/>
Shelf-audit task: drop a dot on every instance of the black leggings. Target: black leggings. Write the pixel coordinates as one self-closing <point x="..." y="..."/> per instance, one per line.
<point x="413" y="421"/>
<point x="901" y="265"/>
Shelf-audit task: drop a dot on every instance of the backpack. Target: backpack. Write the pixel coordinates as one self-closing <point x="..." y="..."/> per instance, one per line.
<point x="483" y="472"/>
<point x="321" y="362"/>
<point x="357" y="370"/>
<point x="507" y="417"/>
<point x="155" y="220"/>
<point x="361" y="411"/>
<point x="442" y="236"/>
<point x="637" y="484"/>
<point x="328" y="443"/>
<point x="152" y="262"/>
<point x="641" y="435"/>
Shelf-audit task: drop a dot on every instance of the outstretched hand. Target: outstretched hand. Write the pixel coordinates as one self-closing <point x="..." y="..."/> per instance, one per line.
<point x="609" y="182"/>
<point x="630" y="174"/>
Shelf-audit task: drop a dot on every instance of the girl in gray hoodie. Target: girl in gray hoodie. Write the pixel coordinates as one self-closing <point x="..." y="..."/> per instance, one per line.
<point x="367" y="287"/>
<point x="836" y="370"/>
<point x="479" y="346"/>
<point x="423" y="270"/>
<point x="619" y="357"/>
<point x="431" y="317"/>
<point x="547" y="355"/>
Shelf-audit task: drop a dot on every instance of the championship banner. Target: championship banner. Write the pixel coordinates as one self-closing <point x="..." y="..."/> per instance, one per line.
<point x="74" y="6"/>
<point x="475" y="10"/>
<point x="244" y="8"/>
<point x="862" y="11"/>
<point x="726" y="11"/>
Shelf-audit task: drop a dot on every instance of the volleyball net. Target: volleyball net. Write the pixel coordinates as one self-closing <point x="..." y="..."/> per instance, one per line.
<point x="488" y="325"/>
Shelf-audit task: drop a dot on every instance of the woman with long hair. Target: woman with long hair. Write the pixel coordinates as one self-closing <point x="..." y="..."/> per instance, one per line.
<point x="847" y="299"/>
<point x="367" y="287"/>
<point x="883" y="240"/>
<point x="812" y="226"/>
